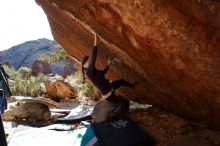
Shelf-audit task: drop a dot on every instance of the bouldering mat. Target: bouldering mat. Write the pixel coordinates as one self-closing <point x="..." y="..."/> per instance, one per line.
<point x="28" y="136"/>
<point x="121" y="132"/>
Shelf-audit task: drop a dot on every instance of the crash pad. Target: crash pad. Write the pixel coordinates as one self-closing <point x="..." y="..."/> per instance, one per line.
<point x="82" y="112"/>
<point x="121" y="132"/>
<point x="29" y="136"/>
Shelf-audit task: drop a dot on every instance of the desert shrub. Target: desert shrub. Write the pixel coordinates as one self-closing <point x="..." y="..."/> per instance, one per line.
<point x="78" y="77"/>
<point x="22" y="83"/>
<point x="44" y="58"/>
<point x="86" y="89"/>
<point x="27" y="87"/>
<point x="76" y="80"/>
<point x="10" y="71"/>
<point x="55" y="57"/>
<point x="24" y="72"/>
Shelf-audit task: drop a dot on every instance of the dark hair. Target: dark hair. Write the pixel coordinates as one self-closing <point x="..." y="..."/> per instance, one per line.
<point x="84" y="60"/>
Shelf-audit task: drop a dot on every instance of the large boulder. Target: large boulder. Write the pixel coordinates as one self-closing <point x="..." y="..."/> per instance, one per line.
<point x="68" y="69"/>
<point x="170" y="47"/>
<point x="61" y="89"/>
<point x="63" y="68"/>
<point x="41" y="67"/>
<point x="31" y="111"/>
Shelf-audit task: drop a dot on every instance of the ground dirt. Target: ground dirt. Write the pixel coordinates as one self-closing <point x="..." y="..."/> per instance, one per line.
<point x="171" y="130"/>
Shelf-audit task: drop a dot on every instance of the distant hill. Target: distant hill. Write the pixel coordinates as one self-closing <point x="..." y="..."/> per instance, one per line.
<point x="25" y="54"/>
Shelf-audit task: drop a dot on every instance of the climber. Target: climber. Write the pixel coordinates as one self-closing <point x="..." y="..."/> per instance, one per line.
<point x="107" y="88"/>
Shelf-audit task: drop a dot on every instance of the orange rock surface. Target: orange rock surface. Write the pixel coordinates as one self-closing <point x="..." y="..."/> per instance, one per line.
<point x="60" y="89"/>
<point x="170" y="47"/>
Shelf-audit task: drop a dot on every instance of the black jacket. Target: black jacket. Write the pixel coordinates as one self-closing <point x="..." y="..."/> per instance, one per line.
<point x="97" y="77"/>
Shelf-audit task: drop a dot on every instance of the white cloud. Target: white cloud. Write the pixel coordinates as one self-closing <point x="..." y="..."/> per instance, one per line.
<point x="20" y="21"/>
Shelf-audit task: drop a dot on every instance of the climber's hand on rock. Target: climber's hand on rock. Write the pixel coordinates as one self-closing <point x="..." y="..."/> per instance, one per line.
<point x="96" y="38"/>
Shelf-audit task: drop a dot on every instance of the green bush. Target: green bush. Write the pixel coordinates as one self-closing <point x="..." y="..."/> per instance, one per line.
<point x="86" y="89"/>
<point x="76" y="80"/>
<point x="24" y="72"/>
<point x="22" y="83"/>
<point x="55" y="57"/>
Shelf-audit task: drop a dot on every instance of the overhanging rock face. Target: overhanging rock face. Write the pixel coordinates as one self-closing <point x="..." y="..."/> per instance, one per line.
<point x="170" y="47"/>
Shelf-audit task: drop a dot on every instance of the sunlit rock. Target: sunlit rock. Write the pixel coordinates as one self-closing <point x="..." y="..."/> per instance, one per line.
<point x="170" y="47"/>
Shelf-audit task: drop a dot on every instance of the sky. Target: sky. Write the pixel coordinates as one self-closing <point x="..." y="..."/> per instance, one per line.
<point x="20" y="21"/>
